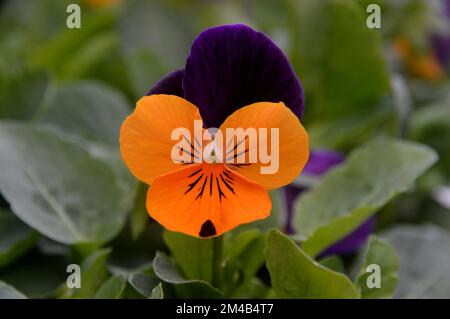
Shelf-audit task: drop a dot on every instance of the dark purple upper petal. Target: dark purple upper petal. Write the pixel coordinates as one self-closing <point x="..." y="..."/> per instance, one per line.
<point x="319" y="163"/>
<point x="171" y="84"/>
<point x="233" y="66"/>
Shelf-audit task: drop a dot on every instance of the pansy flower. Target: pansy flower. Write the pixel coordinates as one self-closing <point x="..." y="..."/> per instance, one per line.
<point x="234" y="77"/>
<point x="319" y="163"/>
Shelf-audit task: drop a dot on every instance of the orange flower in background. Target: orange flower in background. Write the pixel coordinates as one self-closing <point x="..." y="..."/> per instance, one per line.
<point x="202" y="199"/>
<point x="102" y="3"/>
<point x="422" y="65"/>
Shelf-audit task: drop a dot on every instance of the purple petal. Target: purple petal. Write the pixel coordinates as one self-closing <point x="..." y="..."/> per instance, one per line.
<point x="447" y="8"/>
<point x="441" y="42"/>
<point x="233" y="66"/>
<point x="169" y="84"/>
<point x="441" y="46"/>
<point x="320" y="161"/>
<point x="353" y="241"/>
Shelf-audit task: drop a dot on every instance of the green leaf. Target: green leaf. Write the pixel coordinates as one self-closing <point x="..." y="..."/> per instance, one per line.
<point x="244" y="256"/>
<point x="351" y="130"/>
<point x="333" y="51"/>
<point x="16" y="238"/>
<point x="139" y="215"/>
<point x="9" y="292"/>
<point x="57" y="187"/>
<point x="89" y="109"/>
<point x="193" y="255"/>
<point x="37" y="275"/>
<point x="111" y="156"/>
<point x="157" y="292"/>
<point x="253" y="289"/>
<point x="294" y="274"/>
<point x="93" y="274"/>
<point x="381" y="253"/>
<point x="91" y="54"/>
<point x="147" y="25"/>
<point x="431" y="125"/>
<point x="112" y="288"/>
<point x="167" y="271"/>
<point x="14" y="104"/>
<point x="57" y="55"/>
<point x="334" y="263"/>
<point x="144" y="70"/>
<point x="245" y="251"/>
<point x="146" y="285"/>
<point x="348" y="195"/>
<point x="424" y="252"/>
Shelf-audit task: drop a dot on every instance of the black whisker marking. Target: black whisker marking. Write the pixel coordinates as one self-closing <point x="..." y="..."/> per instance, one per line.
<point x="192" y="146"/>
<point x="196" y="172"/>
<point x="203" y="188"/>
<point x="240" y="165"/>
<point x="192" y="185"/>
<point x="221" y="194"/>
<point x="236" y="146"/>
<point x="211" y="185"/>
<point x="236" y="155"/>
<point x="226" y="184"/>
<point x="189" y="153"/>
<point x="228" y="175"/>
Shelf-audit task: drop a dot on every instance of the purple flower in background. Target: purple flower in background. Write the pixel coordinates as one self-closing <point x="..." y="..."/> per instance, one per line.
<point x="441" y="42"/>
<point x="319" y="163"/>
<point x="232" y="66"/>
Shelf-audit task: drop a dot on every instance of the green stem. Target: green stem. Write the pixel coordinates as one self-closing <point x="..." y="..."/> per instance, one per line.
<point x="217" y="261"/>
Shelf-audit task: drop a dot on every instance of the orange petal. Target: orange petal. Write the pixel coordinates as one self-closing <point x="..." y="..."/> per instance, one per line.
<point x="292" y="144"/>
<point x="204" y="200"/>
<point x="145" y="135"/>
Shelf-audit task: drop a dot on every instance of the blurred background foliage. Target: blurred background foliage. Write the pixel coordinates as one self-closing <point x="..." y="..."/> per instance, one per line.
<point x="66" y="194"/>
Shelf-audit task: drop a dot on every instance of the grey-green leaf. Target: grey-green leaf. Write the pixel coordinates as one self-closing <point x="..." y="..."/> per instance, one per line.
<point x="15" y="237"/>
<point x="348" y="195"/>
<point x="424" y="252"/>
<point x="93" y="274"/>
<point x="380" y="253"/>
<point x="89" y="109"/>
<point x="57" y="187"/>
<point x="157" y="292"/>
<point x="294" y="274"/>
<point x="167" y="271"/>
<point x="9" y="292"/>
<point x="144" y="284"/>
<point x="112" y="288"/>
